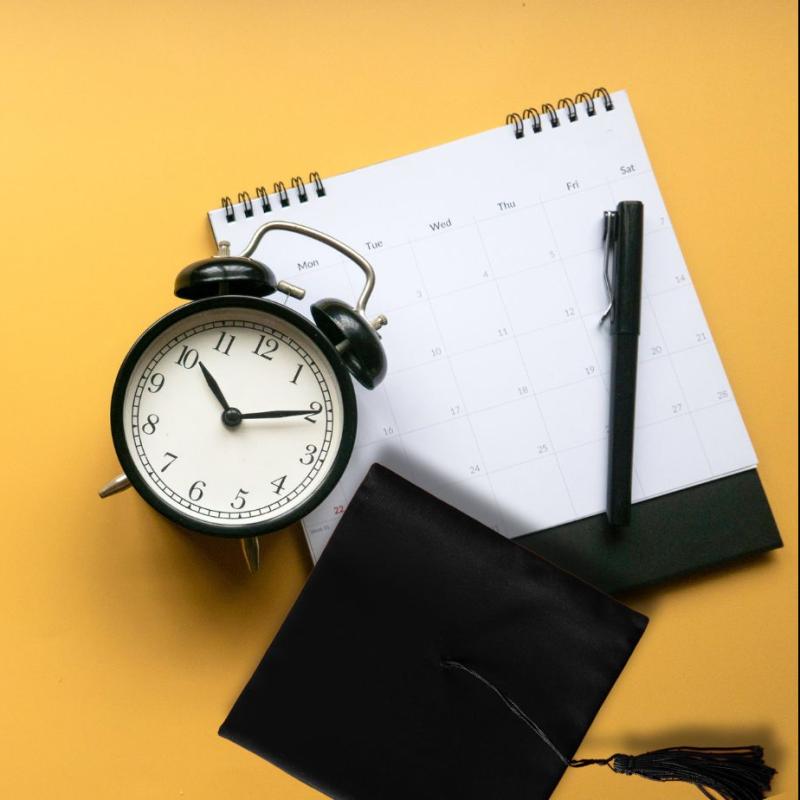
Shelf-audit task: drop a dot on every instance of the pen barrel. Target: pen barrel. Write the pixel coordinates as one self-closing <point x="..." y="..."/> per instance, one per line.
<point x="624" y="362"/>
<point x="627" y="279"/>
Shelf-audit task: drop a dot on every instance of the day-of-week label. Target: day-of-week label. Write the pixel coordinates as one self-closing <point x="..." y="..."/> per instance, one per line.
<point x="505" y="205"/>
<point x="627" y="169"/>
<point x="374" y="245"/>
<point x="309" y="263"/>
<point x="441" y="224"/>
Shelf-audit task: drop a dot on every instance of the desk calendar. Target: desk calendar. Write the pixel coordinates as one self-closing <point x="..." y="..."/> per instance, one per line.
<point x="488" y="255"/>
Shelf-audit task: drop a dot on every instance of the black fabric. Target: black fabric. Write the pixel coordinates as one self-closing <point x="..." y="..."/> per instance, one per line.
<point x="682" y="532"/>
<point x="354" y="696"/>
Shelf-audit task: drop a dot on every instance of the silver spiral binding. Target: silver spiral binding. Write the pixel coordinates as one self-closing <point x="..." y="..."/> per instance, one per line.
<point x="532" y="114"/>
<point x="516" y="121"/>
<point x="584" y="103"/>
<point x="263" y="195"/>
<point x="280" y="197"/>
<point x="280" y="189"/>
<point x="318" y="185"/>
<point x="552" y="115"/>
<point x="247" y="203"/>
<point x="298" y="184"/>
<point x="572" y="111"/>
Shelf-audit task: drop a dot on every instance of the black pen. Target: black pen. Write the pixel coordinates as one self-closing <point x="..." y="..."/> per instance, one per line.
<point x="623" y="234"/>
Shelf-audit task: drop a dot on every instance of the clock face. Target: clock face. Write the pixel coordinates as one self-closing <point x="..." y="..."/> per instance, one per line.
<point x="233" y="416"/>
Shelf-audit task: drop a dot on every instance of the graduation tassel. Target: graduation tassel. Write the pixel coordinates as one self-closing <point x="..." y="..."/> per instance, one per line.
<point x="730" y="773"/>
<point x="733" y="773"/>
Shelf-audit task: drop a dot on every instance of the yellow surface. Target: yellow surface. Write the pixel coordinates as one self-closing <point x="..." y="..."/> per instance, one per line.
<point x="124" y="642"/>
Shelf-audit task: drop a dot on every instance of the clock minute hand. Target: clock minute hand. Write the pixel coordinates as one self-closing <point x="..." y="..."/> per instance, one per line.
<point x="305" y="412"/>
<point x="214" y="386"/>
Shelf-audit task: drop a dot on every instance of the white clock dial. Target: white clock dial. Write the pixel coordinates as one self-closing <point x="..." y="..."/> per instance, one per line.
<point x="233" y="416"/>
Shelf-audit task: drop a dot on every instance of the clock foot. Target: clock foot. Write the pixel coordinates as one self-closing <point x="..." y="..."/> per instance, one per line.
<point x="119" y="484"/>
<point x="252" y="553"/>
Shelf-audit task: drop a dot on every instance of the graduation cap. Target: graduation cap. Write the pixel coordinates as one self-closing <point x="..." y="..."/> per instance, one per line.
<point x="428" y="657"/>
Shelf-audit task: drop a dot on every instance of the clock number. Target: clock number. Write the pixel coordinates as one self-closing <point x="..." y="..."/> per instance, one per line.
<point x="188" y="357"/>
<point x="150" y="426"/>
<point x="278" y="484"/>
<point x="308" y="458"/>
<point x="172" y="459"/>
<point x="315" y="409"/>
<point x="265" y="347"/>
<point x="223" y="348"/>
<point x="156" y="382"/>
<point x="297" y="374"/>
<point x="239" y="501"/>
<point x="196" y="490"/>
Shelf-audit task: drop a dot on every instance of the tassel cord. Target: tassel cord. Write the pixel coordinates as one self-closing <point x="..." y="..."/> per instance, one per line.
<point x="731" y="773"/>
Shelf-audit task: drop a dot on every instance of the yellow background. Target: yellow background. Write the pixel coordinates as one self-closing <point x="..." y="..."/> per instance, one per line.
<point x="124" y="642"/>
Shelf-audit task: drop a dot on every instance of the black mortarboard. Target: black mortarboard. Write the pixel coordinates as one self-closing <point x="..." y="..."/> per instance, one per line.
<point x="428" y="657"/>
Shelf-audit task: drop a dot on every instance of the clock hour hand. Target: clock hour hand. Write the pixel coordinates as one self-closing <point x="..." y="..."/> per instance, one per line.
<point x="214" y="386"/>
<point x="305" y="412"/>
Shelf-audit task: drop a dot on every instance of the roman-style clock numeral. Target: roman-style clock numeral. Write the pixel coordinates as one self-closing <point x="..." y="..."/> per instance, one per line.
<point x="278" y="484"/>
<point x="224" y="343"/>
<point x="297" y="374"/>
<point x="188" y="357"/>
<point x="266" y="347"/>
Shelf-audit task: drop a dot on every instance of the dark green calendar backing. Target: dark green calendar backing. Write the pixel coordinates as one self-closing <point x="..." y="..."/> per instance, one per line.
<point x="671" y="536"/>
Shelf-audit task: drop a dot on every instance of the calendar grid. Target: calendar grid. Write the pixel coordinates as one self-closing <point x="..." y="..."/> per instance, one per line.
<point x="488" y="258"/>
<point x="596" y="251"/>
<point x="462" y="402"/>
<point x="535" y="395"/>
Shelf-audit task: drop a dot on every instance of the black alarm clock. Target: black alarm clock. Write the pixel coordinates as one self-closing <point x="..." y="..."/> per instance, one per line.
<point x="234" y="415"/>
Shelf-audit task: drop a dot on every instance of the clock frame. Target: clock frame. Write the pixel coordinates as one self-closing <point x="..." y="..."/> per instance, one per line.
<point x="340" y="460"/>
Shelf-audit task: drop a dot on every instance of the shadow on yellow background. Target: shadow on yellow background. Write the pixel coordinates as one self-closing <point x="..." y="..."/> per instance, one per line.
<point x="124" y="641"/>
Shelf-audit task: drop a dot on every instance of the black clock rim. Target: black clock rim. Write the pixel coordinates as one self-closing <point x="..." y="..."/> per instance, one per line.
<point x="342" y="458"/>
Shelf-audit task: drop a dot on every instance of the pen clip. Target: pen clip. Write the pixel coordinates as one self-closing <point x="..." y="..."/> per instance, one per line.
<point x="609" y="236"/>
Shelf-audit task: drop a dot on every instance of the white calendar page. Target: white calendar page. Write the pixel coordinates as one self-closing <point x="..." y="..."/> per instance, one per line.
<point x="488" y="256"/>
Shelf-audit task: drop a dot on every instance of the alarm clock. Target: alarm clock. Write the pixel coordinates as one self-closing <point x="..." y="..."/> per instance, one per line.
<point x="234" y="415"/>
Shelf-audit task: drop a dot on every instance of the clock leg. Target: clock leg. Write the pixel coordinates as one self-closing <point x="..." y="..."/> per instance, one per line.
<point x="252" y="553"/>
<point x="118" y="484"/>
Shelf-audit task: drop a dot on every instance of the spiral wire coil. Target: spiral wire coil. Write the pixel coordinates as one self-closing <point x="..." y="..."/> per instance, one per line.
<point x="547" y="114"/>
<point x="280" y="197"/>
